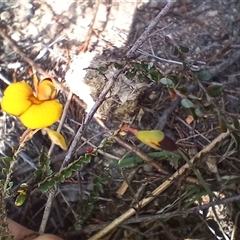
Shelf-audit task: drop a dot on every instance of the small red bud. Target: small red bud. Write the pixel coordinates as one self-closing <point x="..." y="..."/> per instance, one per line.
<point x="89" y="150"/>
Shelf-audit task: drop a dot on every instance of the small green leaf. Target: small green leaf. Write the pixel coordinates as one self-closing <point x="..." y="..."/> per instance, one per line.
<point x="4" y="171"/>
<point x="215" y="90"/>
<point x="184" y="49"/>
<point x="192" y="111"/>
<point x="187" y="103"/>
<point x="44" y="159"/>
<point x="143" y="66"/>
<point x="20" y="200"/>
<point x="174" y="162"/>
<point x="49" y="172"/>
<point x="150" y="65"/>
<point x="103" y="69"/>
<point x="198" y="112"/>
<point x="118" y="66"/>
<point x="183" y="90"/>
<point x="10" y="184"/>
<point x="176" y="51"/>
<point x="45" y="186"/>
<point x="130" y="75"/>
<point x="166" y="81"/>
<point x="204" y="75"/>
<point x="130" y="161"/>
<point x="38" y="175"/>
<point x="155" y="75"/>
<point x="7" y="160"/>
<point x="62" y="178"/>
<point x="77" y="227"/>
<point x="44" y="168"/>
<point x="67" y="173"/>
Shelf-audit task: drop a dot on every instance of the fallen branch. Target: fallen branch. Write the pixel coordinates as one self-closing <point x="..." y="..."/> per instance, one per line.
<point x="158" y="190"/>
<point x="144" y="218"/>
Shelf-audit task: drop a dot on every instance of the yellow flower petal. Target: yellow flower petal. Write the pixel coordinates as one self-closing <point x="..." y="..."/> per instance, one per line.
<point x="16" y="99"/>
<point x="42" y="115"/>
<point x="57" y="138"/>
<point x="46" y="90"/>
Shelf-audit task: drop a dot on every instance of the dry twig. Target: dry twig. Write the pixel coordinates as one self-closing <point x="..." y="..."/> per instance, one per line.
<point x="52" y="193"/>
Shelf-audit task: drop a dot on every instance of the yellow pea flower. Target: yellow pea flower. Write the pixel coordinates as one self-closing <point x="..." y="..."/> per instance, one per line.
<point x="35" y="110"/>
<point x="153" y="138"/>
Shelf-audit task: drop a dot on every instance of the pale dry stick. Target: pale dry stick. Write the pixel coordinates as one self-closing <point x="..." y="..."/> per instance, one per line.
<point x="48" y="48"/>
<point x="64" y="114"/>
<point x="233" y="237"/>
<point x="159" y="189"/>
<point x="196" y="135"/>
<point x="47" y="210"/>
<point x="52" y="193"/>
<point x="151" y="48"/>
<point x="159" y="58"/>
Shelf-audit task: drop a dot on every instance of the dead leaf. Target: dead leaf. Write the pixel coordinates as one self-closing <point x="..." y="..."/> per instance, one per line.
<point x="122" y="189"/>
<point x="189" y="119"/>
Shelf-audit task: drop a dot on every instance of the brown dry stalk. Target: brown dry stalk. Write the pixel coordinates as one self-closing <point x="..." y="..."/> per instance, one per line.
<point x="159" y="189"/>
